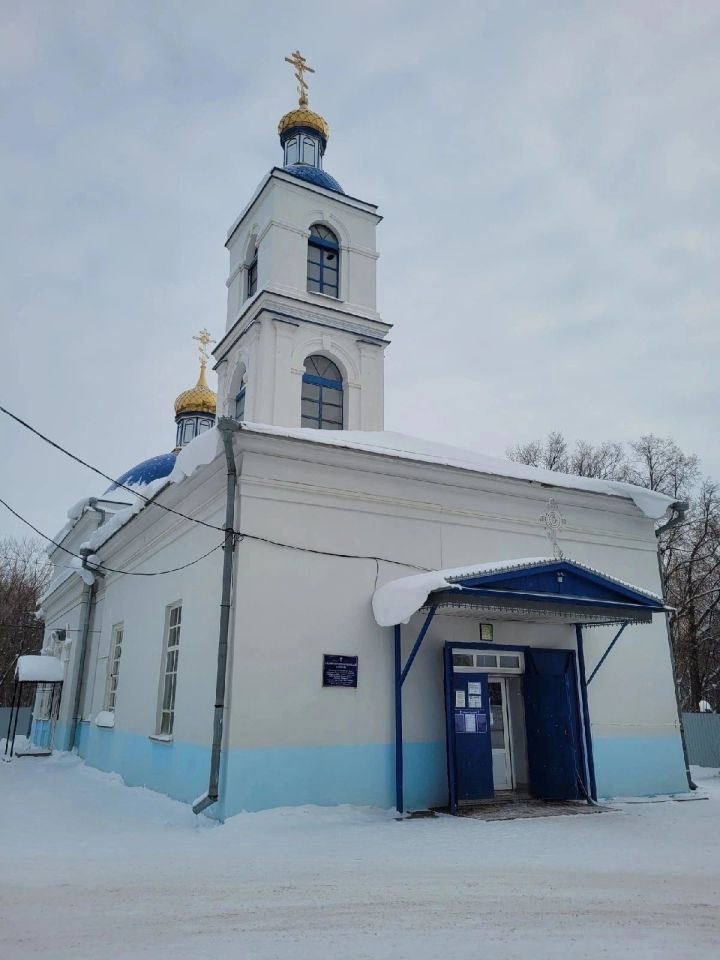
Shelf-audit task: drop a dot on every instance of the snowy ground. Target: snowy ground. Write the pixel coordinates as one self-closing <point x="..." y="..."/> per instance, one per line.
<point x="92" y="868"/>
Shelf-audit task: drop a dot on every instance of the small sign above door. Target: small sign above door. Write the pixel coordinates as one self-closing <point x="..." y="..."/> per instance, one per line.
<point x="339" y="671"/>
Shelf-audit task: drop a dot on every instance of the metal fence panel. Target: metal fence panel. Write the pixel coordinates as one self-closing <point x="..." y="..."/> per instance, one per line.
<point x="702" y="734"/>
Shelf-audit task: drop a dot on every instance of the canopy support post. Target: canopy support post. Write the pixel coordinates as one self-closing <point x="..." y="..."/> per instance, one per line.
<point x="400" y="675"/>
<point x="398" y="723"/>
<point x="585" y="711"/>
<point x="602" y="659"/>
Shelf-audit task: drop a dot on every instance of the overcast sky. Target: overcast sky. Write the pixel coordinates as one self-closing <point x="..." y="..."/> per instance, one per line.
<point x="547" y="172"/>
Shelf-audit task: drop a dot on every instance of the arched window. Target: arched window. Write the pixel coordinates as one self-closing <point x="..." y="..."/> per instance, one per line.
<point x="322" y="394"/>
<point x="252" y="274"/>
<point x="323" y="261"/>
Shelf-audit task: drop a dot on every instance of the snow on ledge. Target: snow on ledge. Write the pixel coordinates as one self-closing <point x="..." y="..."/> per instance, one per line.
<point x="653" y="505"/>
<point x="32" y="668"/>
<point x="397" y="601"/>
<point x="203" y="449"/>
<point x="106" y="718"/>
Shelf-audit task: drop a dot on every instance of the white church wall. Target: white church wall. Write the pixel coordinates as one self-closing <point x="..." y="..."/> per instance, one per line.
<point x="325" y="608"/>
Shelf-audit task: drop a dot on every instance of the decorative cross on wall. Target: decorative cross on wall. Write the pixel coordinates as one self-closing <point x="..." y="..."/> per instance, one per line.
<point x="298" y="61"/>
<point x="204" y="339"/>
<point x="553" y="521"/>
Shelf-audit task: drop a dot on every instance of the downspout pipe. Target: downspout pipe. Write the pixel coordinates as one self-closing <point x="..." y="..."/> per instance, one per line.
<point x="88" y="599"/>
<point x="679" y="512"/>
<point x="226" y="428"/>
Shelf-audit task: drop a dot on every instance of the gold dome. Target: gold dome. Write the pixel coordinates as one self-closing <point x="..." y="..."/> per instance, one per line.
<point x="200" y="399"/>
<point x="303" y="117"/>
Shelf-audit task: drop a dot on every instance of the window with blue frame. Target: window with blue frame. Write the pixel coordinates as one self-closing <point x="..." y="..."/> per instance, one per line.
<point x="240" y="405"/>
<point x="323" y="261"/>
<point x="322" y="394"/>
<point x="252" y="274"/>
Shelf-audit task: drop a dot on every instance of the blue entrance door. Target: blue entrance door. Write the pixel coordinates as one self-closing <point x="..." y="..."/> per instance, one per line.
<point x="468" y="715"/>
<point x="554" y="755"/>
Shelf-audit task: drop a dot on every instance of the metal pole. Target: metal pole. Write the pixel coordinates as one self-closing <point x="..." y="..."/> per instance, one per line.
<point x="586" y="711"/>
<point x="226" y="427"/>
<point x="10" y="718"/>
<point x="399" y="803"/>
<point x="602" y="659"/>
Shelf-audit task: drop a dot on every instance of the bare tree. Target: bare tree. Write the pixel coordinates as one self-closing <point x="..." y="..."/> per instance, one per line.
<point x="24" y="573"/>
<point x="689" y="552"/>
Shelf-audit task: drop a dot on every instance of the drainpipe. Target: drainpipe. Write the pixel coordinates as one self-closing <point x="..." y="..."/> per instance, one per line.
<point x="88" y="599"/>
<point x="680" y="509"/>
<point x="226" y="427"/>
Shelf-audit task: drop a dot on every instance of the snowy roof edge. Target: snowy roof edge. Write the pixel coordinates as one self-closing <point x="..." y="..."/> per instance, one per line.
<point x="404" y="447"/>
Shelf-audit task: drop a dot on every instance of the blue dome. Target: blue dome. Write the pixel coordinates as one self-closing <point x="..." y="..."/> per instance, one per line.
<point x="303" y="171"/>
<point x="145" y="472"/>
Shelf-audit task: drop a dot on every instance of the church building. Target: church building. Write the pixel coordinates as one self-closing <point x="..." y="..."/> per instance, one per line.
<point x="295" y="606"/>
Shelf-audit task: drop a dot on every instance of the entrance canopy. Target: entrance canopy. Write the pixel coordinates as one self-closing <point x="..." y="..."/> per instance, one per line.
<point x="540" y="589"/>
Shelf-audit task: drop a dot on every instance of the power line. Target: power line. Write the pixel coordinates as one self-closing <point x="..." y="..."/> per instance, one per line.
<point x="84" y="463"/>
<point x="101" y="566"/>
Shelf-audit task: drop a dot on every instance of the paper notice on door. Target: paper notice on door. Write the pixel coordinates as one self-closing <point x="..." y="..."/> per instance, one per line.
<point x="470" y="725"/>
<point x="459" y="698"/>
<point x="475" y="689"/>
<point x="474" y="702"/>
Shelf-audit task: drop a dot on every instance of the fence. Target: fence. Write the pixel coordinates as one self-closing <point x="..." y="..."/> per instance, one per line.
<point x="23" y="721"/>
<point x="702" y="735"/>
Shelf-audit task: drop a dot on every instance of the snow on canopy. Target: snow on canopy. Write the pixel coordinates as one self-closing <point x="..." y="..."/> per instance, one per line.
<point x="397" y="601"/>
<point x="653" y="505"/>
<point x="33" y="668"/>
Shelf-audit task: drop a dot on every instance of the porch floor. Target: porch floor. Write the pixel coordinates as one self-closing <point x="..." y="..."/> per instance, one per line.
<point x="523" y="808"/>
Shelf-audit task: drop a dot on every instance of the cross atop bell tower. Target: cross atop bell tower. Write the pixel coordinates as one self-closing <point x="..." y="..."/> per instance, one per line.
<point x="298" y="61"/>
<point x="304" y="344"/>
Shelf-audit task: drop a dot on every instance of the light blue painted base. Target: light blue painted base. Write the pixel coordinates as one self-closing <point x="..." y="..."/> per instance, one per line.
<point x="356" y="774"/>
<point x="258" y="779"/>
<point x="639" y="766"/>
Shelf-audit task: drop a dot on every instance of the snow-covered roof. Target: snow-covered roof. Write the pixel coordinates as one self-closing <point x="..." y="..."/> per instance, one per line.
<point x="653" y="505"/>
<point x="33" y="668"/>
<point x="397" y="601"/>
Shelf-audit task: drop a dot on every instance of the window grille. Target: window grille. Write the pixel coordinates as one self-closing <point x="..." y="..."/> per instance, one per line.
<point x="323" y="261"/>
<point x="172" y="649"/>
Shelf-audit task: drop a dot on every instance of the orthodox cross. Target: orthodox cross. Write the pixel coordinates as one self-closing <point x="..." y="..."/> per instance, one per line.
<point x="298" y="61"/>
<point x="204" y="339"/>
<point x="553" y="521"/>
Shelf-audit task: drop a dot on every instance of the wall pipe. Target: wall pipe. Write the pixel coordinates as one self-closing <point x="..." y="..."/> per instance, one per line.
<point x="226" y="427"/>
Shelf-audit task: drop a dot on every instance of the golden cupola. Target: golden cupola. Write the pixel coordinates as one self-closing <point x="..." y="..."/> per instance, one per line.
<point x="198" y="399"/>
<point x="195" y="409"/>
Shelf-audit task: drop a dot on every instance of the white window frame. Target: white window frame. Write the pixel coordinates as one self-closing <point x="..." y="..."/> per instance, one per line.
<point x="168" y="670"/>
<point x="113" y="670"/>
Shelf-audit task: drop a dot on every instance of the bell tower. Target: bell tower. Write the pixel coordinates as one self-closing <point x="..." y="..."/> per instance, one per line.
<point x="304" y="343"/>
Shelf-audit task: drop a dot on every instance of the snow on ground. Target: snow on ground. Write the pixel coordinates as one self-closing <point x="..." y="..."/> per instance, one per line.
<point x="94" y="869"/>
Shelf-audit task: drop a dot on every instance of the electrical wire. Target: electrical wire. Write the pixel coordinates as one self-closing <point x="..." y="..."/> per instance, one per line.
<point x="84" y="463"/>
<point x="102" y="566"/>
<point x="178" y="513"/>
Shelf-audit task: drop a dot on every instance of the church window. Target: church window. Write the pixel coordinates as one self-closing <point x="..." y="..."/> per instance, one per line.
<point x="188" y="430"/>
<point x="114" y="666"/>
<point x="204" y="424"/>
<point x="308" y="154"/>
<point x="173" y="619"/>
<point x="322" y="395"/>
<point x="291" y="150"/>
<point x="240" y="405"/>
<point x="323" y="261"/>
<point x="252" y="274"/>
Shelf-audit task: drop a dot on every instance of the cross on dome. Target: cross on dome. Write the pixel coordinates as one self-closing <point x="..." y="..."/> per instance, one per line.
<point x="298" y="61"/>
<point x="204" y="340"/>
